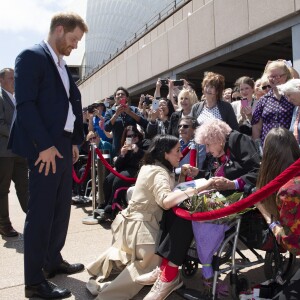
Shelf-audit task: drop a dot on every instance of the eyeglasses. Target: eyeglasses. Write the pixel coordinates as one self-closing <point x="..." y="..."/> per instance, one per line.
<point x="183" y="126"/>
<point x="131" y="135"/>
<point x="264" y="87"/>
<point x="236" y="98"/>
<point x="276" y="76"/>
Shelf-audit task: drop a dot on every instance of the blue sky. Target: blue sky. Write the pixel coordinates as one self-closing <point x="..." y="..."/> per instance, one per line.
<point x="26" y="22"/>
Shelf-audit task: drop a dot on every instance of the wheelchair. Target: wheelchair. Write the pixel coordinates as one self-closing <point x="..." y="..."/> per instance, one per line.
<point x="278" y="263"/>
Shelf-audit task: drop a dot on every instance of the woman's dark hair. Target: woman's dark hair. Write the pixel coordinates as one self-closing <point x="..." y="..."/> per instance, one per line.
<point x="160" y="145"/>
<point x="130" y="128"/>
<point x="120" y="88"/>
<point x="170" y="107"/>
<point x="280" y="146"/>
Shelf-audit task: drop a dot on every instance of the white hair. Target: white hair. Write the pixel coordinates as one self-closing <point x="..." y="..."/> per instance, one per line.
<point x="291" y="86"/>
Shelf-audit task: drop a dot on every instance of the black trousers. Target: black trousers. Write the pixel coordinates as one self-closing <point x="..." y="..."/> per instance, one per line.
<point x="112" y="183"/>
<point x="12" y="169"/>
<point x="174" y="238"/>
<point x="47" y="220"/>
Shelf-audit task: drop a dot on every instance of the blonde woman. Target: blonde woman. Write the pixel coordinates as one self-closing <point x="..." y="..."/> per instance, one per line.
<point x="273" y="110"/>
<point x="186" y="99"/>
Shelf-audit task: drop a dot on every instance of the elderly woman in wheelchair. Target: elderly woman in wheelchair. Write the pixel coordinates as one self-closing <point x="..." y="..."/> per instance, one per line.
<point x="232" y="162"/>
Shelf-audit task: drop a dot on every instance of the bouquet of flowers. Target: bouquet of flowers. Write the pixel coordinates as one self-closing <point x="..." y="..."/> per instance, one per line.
<point x="211" y="200"/>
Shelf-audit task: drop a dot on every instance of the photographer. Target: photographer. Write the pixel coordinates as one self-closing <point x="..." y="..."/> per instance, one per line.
<point x="159" y="118"/>
<point x="96" y="113"/>
<point x="120" y="116"/>
<point x="144" y="104"/>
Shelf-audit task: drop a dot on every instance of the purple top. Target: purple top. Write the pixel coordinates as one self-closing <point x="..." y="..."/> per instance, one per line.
<point x="273" y="113"/>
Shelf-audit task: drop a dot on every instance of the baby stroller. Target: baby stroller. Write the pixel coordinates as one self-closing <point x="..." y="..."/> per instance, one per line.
<point x="278" y="264"/>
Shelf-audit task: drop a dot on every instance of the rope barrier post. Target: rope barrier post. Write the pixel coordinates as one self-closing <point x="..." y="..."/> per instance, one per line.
<point x="93" y="219"/>
<point x="102" y="173"/>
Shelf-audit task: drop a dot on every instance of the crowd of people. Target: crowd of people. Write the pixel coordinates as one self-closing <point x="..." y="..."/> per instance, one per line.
<point x="236" y="132"/>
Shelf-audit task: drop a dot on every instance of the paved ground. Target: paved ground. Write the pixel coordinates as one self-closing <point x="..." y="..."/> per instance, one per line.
<point x="84" y="243"/>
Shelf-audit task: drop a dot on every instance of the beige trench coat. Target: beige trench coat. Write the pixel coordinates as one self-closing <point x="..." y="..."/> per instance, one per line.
<point x="134" y="234"/>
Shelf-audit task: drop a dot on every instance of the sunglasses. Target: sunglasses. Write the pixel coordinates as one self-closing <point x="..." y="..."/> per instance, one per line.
<point x="264" y="87"/>
<point x="131" y="135"/>
<point x="183" y="126"/>
<point x="236" y="98"/>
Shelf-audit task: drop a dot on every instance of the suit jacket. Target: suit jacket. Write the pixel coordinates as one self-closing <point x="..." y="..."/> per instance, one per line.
<point x="42" y="103"/>
<point x="7" y="109"/>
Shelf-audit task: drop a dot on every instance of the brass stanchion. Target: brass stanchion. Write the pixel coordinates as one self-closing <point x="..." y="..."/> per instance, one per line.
<point x="93" y="219"/>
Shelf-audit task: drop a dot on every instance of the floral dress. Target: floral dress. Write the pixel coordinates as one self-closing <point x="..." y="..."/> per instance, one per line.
<point x="288" y="200"/>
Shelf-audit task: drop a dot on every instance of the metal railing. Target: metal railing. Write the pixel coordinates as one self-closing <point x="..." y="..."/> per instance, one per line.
<point x="150" y="25"/>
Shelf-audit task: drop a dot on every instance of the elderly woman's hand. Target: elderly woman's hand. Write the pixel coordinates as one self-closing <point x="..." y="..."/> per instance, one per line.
<point x="188" y="170"/>
<point x="223" y="184"/>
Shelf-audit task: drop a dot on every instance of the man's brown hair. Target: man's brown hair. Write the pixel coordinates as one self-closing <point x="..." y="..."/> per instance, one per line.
<point x="69" y="21"/>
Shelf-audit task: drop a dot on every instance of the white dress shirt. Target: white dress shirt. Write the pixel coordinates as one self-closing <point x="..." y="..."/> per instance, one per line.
<point x="60" y="64"/>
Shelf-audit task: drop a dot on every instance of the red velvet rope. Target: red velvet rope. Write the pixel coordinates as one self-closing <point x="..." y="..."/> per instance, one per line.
<point x="109" y="167"/>
<point x="193" y="157"/>
<point x="184" y="152"/>
<point x="85" y="174"/>
<point x="249" y="201"/>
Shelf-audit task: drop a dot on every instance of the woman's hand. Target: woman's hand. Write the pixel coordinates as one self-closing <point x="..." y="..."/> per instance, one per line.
<point x="124" y="150"/>
<point x="134" y="148"/>
<point x="222" y="184"/>
<point x="246" y="112"/>
<point x="153" y="115"/>
<point x="188" y="170"/>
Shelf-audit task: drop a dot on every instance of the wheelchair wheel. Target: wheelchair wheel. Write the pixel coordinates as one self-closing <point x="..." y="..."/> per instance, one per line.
<point x="273" y="262"/>
<point x="189" y="268"/>
<point x="240" y="284"/>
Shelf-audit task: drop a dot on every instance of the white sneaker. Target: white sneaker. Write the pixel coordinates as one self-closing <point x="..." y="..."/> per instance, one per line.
<point x="149" y="278"/>
<point x="161" y="290"/>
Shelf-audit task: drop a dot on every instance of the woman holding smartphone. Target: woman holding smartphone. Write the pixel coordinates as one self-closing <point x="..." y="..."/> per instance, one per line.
<point x="246" y="106"/>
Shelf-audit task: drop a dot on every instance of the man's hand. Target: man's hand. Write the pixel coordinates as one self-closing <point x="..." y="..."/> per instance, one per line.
<point x="46" y="160"/>
<point x="75" y="153"/>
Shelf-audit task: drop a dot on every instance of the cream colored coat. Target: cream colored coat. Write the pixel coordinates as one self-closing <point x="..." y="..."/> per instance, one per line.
<point x="134" y="234"/>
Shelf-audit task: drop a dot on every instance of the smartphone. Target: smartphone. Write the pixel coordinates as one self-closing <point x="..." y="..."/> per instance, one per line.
<point x="128" y="142"/>
<point x="178" y="82"/>
<point x="123" y="101"/>
<point x="244" y="102"/>
<point x="164" y="81"/>
<point x="155" y="104"/>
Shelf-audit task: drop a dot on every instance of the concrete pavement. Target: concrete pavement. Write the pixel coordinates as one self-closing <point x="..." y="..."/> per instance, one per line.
<point x="84" y="243"/>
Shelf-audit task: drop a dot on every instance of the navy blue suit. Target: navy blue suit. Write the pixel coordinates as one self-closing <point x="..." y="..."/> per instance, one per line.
<point x="42" y="108"/>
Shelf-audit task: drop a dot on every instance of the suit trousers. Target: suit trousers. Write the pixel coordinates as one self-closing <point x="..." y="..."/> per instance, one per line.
<point x="47" y="220"/>
<point x="12" y="169"/>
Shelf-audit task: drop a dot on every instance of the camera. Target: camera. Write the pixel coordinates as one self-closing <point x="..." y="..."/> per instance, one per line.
<point x="178" y="82"/>
<point x="164" y="81"/>
<point x="91" y="108"/>
<point x="147" y="101"/>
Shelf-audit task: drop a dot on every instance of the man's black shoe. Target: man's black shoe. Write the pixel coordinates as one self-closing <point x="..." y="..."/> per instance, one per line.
<point x="8" y="231"/>
<point x="46" y="290"/>
<point x="65" y="268"/>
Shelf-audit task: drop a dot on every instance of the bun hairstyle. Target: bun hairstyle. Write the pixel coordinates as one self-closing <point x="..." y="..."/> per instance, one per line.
<point x="245" y="80"/>
<point x="216" y="80"/>
<point x="160" y="145"/>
